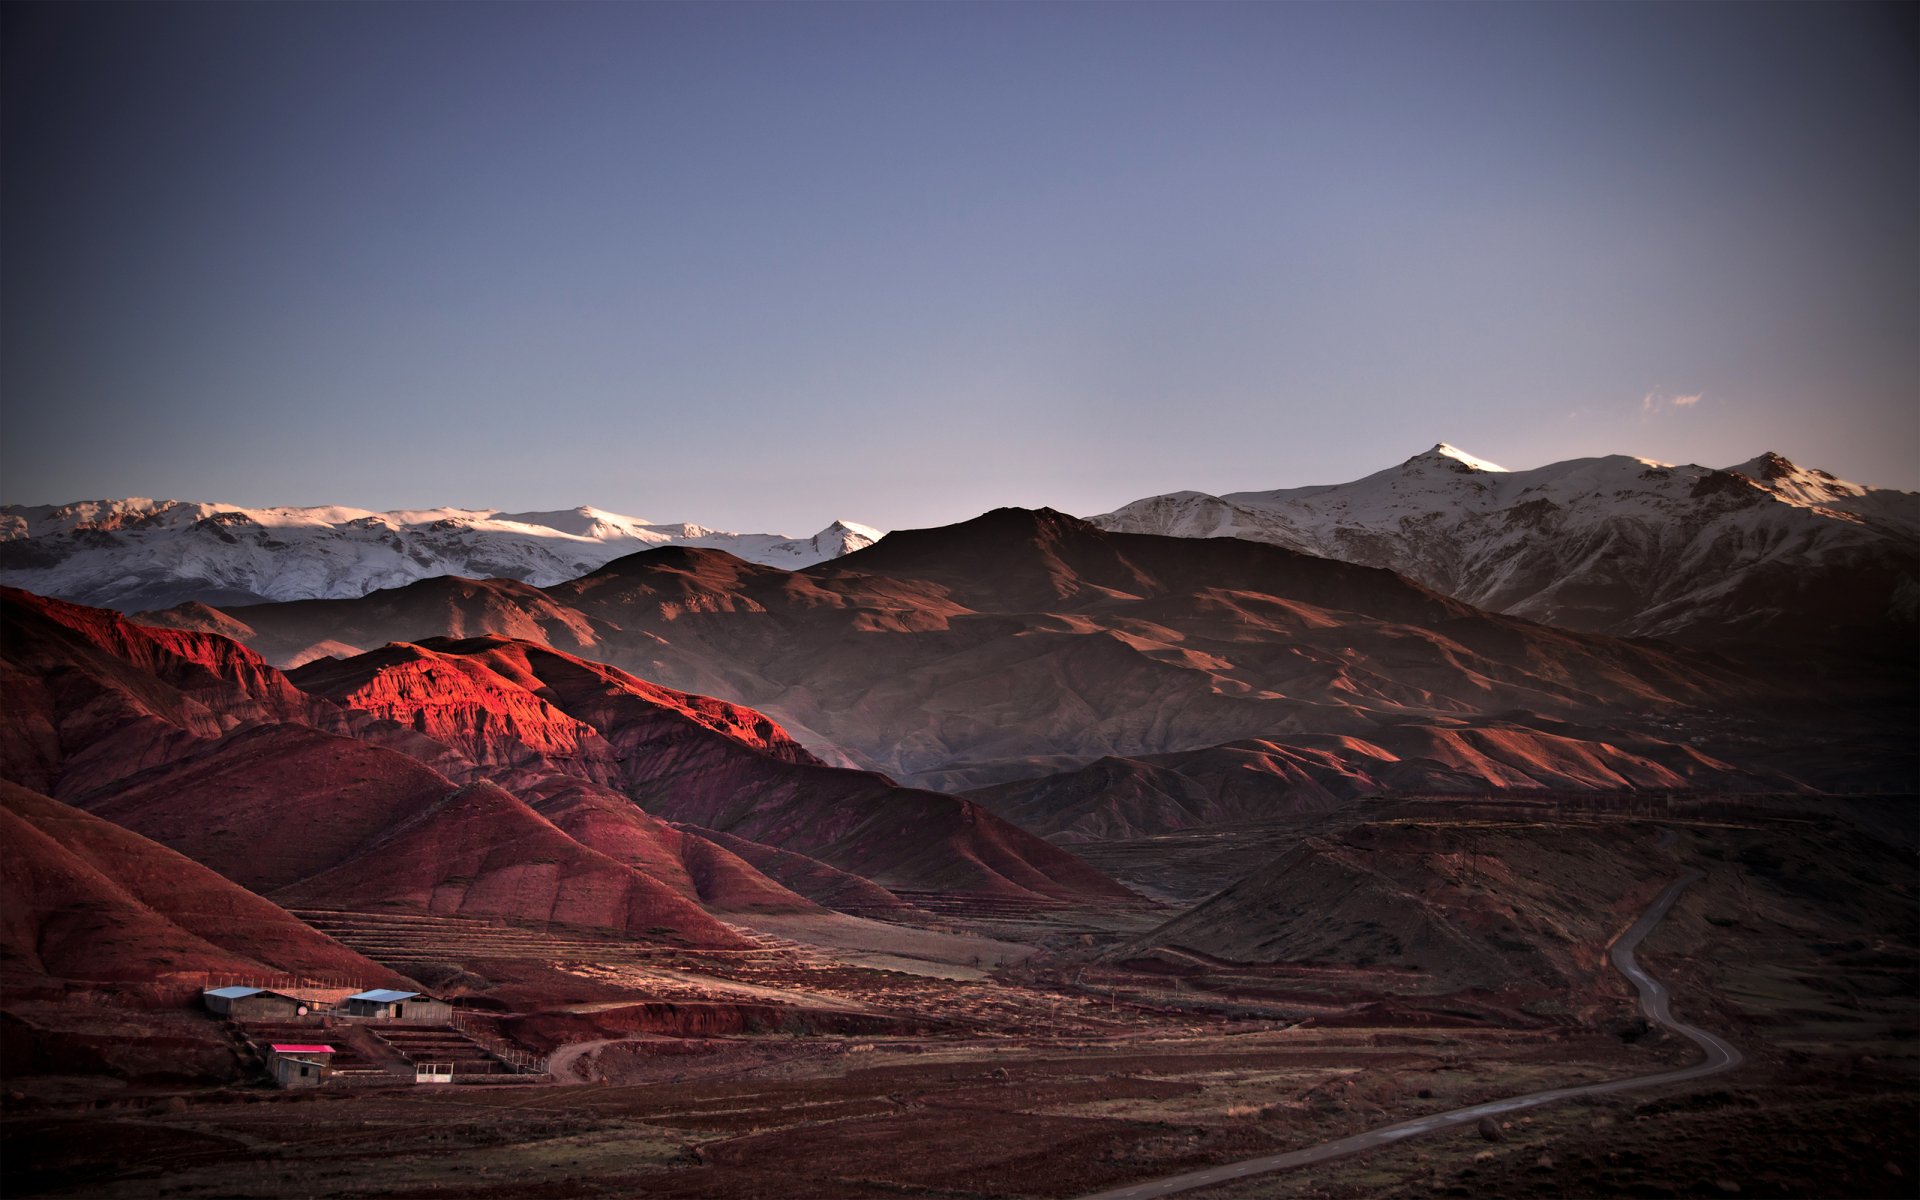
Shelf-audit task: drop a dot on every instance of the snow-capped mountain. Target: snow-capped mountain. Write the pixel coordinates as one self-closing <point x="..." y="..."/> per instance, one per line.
<point x="141" y="554"/>
<point x="1616" y="544"/>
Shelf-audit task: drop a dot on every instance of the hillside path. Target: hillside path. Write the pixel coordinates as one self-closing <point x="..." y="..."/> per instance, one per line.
<point x="1654" y="1004"/>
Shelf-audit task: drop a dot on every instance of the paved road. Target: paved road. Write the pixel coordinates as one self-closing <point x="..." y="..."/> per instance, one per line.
<point x="1654" y="1003"/>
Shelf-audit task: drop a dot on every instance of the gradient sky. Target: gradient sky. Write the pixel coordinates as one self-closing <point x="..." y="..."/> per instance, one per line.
<point x="761" y="267"/>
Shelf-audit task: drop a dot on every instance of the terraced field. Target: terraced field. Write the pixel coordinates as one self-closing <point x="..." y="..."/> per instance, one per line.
<point x="400" y="939"/>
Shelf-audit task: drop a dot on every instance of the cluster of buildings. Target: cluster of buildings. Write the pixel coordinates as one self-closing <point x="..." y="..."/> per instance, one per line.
<point x="258" y="1004"/>
<point x="274" y="1019"/>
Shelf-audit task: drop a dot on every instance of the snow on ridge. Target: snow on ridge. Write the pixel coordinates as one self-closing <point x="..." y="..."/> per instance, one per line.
<point x="139" y="553"/>
<point x="1613" y="543"/>
<point x="584" y="521"/>
<point x="1443" y="450"/>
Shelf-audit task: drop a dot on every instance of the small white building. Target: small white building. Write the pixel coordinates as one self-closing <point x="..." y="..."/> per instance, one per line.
<point x="299" y="1065"/>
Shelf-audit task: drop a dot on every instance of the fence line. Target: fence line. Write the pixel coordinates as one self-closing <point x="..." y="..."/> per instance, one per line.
<point x="520" y="1060"/>
<point x="271" y="982"/>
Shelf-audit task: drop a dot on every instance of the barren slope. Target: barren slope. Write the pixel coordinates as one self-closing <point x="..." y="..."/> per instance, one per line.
<point x="88" y="900"/>
<point x="1259" y="779"/>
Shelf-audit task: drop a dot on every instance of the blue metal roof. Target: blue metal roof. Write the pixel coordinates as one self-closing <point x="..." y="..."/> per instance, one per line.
<point x="234" y="993"/>
<point x="383" y="996"/>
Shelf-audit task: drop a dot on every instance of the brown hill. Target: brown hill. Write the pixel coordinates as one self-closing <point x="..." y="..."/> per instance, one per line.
<point x="1516" y="899"/>
<point x="1015" y="559"/>
<point x="481" y="852"/>
<point x="690" y="864"/>
<point x="824" y="885"/>
<point x="506" y="733"/>
<point x="174" y="735"/>
<point x="445" y="605"/>
<point x="88" y="900"/>
<point x="314" y="820"/>
<point x="273" y="804"/>
<point x="1454" y="903"/>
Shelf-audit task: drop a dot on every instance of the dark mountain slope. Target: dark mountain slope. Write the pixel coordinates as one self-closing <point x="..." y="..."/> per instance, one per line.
<point x="88" y="900"/>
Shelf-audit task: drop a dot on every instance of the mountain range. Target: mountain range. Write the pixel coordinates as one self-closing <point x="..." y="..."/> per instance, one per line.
<point x="1764" y="549"/>
<point x="680" y="740"/>
<point x="1087" y="680"/>
<point x="136" y="553"/>
<point x="1023" y="643"/>
<point x="1761" y="551"/>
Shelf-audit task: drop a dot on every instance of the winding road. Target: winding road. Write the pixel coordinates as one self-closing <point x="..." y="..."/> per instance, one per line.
<point x="1654" y="1004"/>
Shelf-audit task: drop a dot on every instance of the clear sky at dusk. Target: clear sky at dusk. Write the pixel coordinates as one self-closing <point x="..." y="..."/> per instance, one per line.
<point x="761" y="267"/>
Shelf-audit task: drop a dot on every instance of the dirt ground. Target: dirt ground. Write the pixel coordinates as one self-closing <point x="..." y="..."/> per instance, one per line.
<point x="798" y="1117"/>
<point x="1811" y="1137"/>
<point x="1038" y="1065"/>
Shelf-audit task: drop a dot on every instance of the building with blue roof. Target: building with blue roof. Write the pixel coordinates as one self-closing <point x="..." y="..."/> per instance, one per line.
<point x="254" y="1004"/>
<point x="388" y="1004"/>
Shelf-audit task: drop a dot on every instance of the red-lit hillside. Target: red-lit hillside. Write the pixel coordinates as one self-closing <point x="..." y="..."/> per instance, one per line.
<point x="487" y="778"/>
<point x="715" y="765"/>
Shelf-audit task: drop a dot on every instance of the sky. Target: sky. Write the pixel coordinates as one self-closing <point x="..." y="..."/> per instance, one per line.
<point x="761" y="267"/>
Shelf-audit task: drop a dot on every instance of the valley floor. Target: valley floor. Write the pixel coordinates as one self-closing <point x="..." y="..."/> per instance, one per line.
<point x="1010" y="1055"/>
<point x="804" y="1117"/>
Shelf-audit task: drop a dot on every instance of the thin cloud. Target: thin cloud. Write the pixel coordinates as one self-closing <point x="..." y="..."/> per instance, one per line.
<point x="1656" y="402"/>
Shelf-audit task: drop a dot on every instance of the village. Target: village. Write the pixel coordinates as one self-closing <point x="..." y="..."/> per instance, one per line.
<point x="305" y="1036"/>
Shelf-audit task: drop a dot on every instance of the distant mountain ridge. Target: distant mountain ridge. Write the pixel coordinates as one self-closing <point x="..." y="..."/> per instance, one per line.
<point x="1618" y="545"/>
<point x="137" y="553"/>
<point x="1022" y="642"/>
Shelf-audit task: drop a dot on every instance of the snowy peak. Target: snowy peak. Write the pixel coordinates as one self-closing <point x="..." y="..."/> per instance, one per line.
<point x="585" y="521"/>
<point x="1769" y="466"/>
<point x="1803" y="485"/>
<point x="841" y="537"/>
<point x="1612" y="544"/>
<point x="139" y="553"/>
<point x="1453" y="458"/>
<point x="844" y="537"/>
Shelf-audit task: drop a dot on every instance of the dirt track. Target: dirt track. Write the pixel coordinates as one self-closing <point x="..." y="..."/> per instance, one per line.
<point x="1654" y="1003"/>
